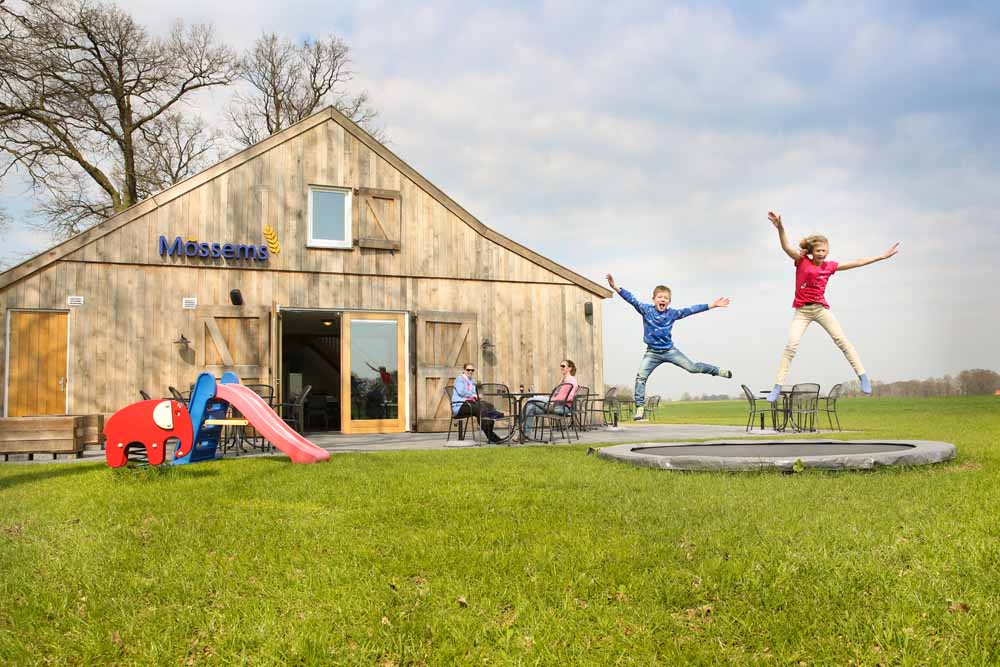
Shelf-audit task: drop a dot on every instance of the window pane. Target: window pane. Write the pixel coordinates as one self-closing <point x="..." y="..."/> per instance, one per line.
<point x="374" y="370"/>
<point x="328" y="222"/>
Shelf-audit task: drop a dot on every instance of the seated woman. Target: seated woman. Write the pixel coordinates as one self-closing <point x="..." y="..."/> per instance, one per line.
<point x="536" y="404"/>
<point x="465" y="401"/>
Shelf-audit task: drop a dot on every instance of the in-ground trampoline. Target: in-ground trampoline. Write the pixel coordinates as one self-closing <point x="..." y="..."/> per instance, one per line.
<point x="781" y="454"/>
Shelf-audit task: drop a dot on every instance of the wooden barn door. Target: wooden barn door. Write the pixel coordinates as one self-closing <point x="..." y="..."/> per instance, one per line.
<point x="37" y="380"/>
<point x="445" y="341"/>
<point x="237" y="339"/>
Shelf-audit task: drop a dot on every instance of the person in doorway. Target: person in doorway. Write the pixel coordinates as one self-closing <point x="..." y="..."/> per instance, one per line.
<point x="563" y="399"/>
<point x="812" y="272"/>
<point x="658" y="323"/>
<point x="465" y="401"/>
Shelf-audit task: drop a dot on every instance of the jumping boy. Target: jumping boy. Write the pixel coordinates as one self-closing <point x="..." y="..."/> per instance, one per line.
<point x="657" y="322"/>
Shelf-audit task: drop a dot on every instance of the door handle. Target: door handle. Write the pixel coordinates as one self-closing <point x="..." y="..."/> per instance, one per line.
<point x="62" y="384"/>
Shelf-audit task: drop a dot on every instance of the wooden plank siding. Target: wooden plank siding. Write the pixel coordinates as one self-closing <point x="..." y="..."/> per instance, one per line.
<point x="122" y="338"/>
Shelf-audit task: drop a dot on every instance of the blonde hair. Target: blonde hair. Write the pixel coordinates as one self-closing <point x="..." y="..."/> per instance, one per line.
<point x="808" y="243"/>
<point x="662" y="288"/>
<point x="572" y="366"/>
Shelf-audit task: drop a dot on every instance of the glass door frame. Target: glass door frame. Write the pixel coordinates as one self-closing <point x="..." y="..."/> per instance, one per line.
<point x="397" y="425"/>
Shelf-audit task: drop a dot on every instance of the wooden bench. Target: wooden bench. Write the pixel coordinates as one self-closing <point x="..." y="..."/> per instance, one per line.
<point x="55" y="434"/>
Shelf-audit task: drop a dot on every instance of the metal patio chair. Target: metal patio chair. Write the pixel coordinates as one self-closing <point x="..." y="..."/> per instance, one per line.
<point x="558" y="413"/>
<point x="498" y="395"/>
<point x="293" y="411"/>
<point x="804" y="406"/>
<point x="461" y="423"/>
<point x="830" y="405"/>
<point x="758" y="406"/>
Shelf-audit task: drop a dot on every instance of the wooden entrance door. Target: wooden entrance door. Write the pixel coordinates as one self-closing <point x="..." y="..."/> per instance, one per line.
<point x="445" y="341"/>
<point x="372" y="373"/>
<point x="37" y="381"/>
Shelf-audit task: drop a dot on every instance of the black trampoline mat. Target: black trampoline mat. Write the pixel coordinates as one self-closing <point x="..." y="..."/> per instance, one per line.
<point x="774" y="449"/>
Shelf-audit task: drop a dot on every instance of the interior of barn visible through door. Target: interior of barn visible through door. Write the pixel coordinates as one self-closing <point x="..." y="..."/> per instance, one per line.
<point x="37" y="376"/>
<point x="350" y="365"/>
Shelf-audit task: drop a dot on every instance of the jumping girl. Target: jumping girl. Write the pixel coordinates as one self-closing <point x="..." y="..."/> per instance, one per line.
<point x="812" y="272"/>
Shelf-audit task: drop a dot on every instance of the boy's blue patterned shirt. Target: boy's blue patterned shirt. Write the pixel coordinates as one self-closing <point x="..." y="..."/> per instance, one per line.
<point x="657" y="326"/>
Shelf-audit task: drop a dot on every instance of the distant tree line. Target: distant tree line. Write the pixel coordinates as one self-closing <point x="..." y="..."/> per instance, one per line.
<point x="972" y="382"/>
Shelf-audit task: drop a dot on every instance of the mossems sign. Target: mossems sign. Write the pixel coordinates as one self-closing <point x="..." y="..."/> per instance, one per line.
<point x="191" y="248"/>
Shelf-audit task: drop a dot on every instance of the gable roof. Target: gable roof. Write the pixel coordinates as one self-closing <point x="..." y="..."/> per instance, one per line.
<point x="153" y="202"/>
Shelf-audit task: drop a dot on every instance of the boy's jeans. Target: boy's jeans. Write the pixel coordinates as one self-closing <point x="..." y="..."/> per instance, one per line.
<point x="654" y="358"/>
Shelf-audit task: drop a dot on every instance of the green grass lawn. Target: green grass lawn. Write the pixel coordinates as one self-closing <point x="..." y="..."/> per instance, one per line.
<point x="513" y="556"/>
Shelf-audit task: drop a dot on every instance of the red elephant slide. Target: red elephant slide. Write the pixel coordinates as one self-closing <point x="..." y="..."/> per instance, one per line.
<point x="150" y="424"/>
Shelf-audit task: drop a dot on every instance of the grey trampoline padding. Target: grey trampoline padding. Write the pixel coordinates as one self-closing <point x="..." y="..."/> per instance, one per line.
<point x="781" y="455"/>
<point x="770" y="449"/>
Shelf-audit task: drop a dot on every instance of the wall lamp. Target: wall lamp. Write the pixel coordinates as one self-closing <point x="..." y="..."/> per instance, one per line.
<point x="182" y="341"/>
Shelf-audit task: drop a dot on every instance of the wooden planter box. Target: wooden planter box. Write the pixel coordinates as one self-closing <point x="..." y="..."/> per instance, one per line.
<point x="58" y="434"/>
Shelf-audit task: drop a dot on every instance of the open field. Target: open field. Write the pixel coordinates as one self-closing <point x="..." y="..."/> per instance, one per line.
<point x="526" y="556"/>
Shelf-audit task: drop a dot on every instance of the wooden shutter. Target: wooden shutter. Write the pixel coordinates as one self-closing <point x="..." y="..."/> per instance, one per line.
<point x="379" y="218"/>
<point x="235" y="338"/>
<point x="445" y="341"/>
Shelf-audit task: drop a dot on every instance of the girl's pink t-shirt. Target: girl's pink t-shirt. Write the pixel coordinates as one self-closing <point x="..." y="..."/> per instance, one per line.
<point x="568" y="393"/>
<point x="810" y="282"/>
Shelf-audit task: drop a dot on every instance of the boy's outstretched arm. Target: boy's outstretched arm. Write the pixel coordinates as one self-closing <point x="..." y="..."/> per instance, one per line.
<point x="789" y="249"/>
<point x="611" y="281"/>
<point x="625" y="294"/>
<point x="864" y="261"/>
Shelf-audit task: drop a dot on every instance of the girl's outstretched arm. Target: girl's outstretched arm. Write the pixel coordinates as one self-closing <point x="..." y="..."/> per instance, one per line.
<point x="789" y="249"/>
<point x="864" y="261"/>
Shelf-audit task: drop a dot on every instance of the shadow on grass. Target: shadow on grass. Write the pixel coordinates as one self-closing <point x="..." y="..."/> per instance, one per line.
<point x="49" y="472"/>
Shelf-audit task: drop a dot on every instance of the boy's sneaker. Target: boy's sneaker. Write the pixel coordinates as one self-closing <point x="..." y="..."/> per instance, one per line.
<point x="726" y="374"/>
<point x="639" y="414"/>
<point x="866" y="384"/>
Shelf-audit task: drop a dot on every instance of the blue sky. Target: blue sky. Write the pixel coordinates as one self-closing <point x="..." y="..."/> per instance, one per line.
<point x="649" y="139"/>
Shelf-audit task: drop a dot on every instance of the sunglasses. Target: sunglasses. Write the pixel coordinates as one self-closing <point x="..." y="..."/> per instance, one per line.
<point x="563" y="366"/>
<point x="470" y="370"/>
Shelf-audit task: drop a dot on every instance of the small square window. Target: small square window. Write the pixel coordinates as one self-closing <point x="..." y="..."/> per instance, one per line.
<point x="330" y="217"/>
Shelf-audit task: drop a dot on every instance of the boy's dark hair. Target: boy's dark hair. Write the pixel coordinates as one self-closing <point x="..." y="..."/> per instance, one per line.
<point x="662" y="288"/>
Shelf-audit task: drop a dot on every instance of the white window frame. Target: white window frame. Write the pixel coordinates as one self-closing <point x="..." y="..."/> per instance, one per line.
<point x="348" y="241"/>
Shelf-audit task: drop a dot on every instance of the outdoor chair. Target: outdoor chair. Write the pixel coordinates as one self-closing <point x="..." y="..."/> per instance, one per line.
<point x="504" y="426"/>
<point x="581" y="412"/>
<point x="460" y="423"/>
<point x="558" y="413"/>
<point x="830" y="405"/>
<point x="265" y="391"/>
<point x="145" y="395"/>
<point x="178" y="395"/>
<point x="597" y="418"/>
<point x="293" y="412"/>
<point x="803" y="406"/>
<point x="652" y="405"/>
<point x="758" y="406"/>
<point x="612" y="407"/>
<point x="316" y="409"/>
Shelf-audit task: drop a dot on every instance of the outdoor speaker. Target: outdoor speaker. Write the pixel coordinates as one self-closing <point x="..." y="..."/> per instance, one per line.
<point x="235" y="297"/>
<point x="588" y="309"/>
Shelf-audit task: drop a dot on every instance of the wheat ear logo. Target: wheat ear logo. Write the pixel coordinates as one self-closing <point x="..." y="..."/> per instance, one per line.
<point x="272" y="240"/>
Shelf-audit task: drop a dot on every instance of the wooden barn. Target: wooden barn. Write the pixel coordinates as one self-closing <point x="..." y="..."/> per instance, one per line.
<point x="315" y="258"/>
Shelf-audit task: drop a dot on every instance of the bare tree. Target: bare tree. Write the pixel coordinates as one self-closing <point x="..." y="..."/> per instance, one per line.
<point x="89" y="100"/>
<point x="287" y="82"/>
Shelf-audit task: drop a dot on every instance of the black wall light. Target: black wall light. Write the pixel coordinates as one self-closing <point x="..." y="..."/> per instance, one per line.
<point x="588" y="309"/>
<point x="235" y="297"/>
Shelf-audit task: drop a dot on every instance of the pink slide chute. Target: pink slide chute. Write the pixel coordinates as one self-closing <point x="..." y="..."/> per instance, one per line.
<point x="270" y="425"/>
